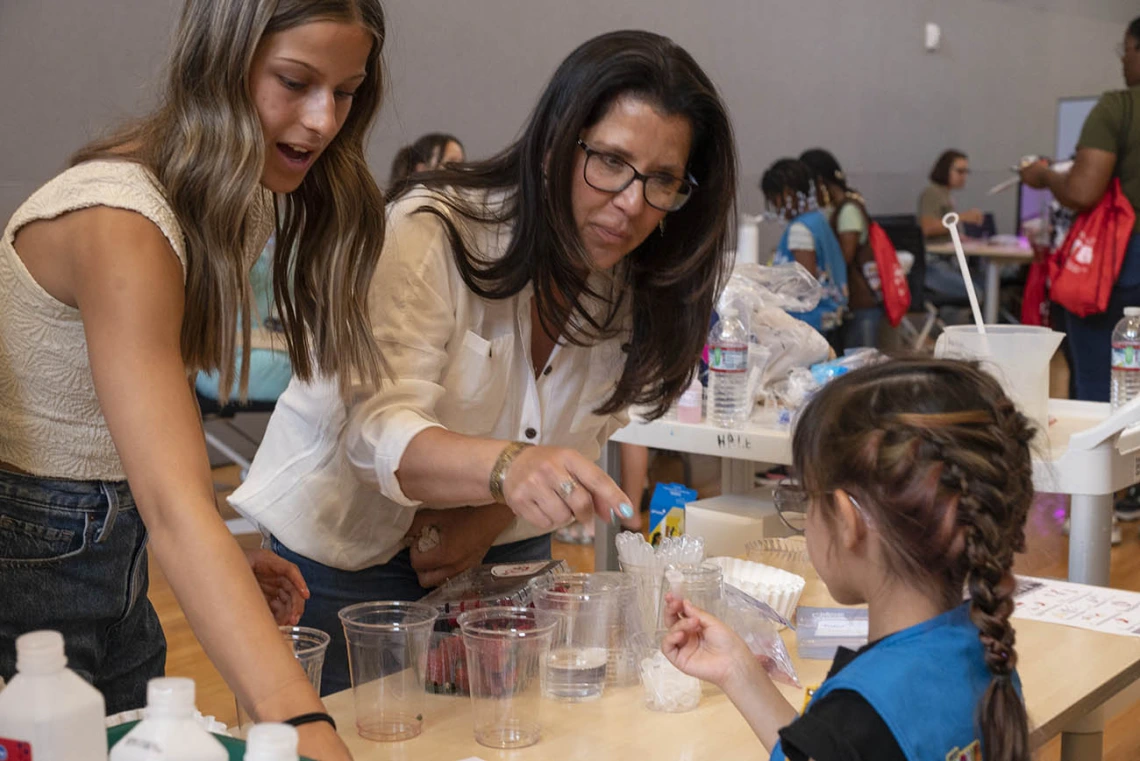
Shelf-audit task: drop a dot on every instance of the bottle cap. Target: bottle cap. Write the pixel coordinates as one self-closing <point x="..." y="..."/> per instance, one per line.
<point x="40" y="653"/>
<point x="1132" y="311"/>
<point x="271" y="742"/>
<point x="170" y="698"/>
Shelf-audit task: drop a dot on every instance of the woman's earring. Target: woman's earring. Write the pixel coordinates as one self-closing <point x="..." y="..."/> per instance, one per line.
<point x="661" y="227"/>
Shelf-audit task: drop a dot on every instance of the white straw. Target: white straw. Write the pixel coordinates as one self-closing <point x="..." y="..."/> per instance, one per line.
<point x="950" y="222"/>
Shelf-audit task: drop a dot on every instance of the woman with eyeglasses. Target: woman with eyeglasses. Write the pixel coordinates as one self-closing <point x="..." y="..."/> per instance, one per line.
<point x="948" y="174"/>
<point x="522" y="305"/>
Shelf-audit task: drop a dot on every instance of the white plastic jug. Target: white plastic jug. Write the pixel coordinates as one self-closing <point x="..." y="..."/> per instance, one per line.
<point x="1017" y="355"/>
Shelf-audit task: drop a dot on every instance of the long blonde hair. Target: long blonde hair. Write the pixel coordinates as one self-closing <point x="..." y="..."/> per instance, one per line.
<point x="204" y="144"/>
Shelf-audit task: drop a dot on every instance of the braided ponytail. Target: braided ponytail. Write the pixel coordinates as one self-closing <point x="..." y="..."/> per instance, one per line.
<point x="993" y="504"/>
<point x="939" y="457"/>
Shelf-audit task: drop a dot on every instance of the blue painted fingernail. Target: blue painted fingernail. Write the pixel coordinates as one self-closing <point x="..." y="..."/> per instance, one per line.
<point x="626" y="510"/>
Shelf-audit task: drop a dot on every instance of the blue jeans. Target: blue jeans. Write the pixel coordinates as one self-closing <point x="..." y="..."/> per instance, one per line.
<point x="332" y="589"/>
<point x="73" y="559"/>
<point x="862" y="328"/>
<point x="1090" y="338"/>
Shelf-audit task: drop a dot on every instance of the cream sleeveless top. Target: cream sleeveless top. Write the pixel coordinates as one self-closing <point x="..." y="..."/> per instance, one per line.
<point x="50" y="421"/>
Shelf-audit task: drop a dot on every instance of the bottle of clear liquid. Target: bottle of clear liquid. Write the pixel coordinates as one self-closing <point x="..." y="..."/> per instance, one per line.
<point x="1126" y="358"/>
<point x="729" y="405"/>
<point x="692" y="403"/>
<point x="271" y="742"/>
<point x="49" y="706"/>
<point x="169" y="732"/>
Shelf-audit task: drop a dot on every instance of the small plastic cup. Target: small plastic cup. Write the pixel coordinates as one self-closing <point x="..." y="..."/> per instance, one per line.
<point x="387" y="657"/>
<point x="309" y="647"/>
<point x="507" y="650"/>
<point x="666" y="688"/>
<point x="701" y="584"/>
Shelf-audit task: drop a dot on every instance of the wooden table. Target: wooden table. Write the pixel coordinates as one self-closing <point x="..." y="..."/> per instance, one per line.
<point x="1066" y="673"/>
<point x="993" y="256"/>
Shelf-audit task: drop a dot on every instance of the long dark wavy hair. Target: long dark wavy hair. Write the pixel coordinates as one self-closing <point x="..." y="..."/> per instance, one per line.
<point x="667" y="285"/>
<point x="939" y="458"/>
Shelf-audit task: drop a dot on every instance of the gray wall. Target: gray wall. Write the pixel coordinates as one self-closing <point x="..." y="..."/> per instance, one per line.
<point x="850" y="75"/>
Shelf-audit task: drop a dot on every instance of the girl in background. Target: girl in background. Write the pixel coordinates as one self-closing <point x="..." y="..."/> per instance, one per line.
<point x="790" y="190"/>
<point x="430" y="151"/>
<point x="851" y="225"/>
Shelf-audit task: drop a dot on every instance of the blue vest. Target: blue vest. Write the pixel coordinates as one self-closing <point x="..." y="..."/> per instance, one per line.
<point x="925" y="682"/>
<point x="831" y="266"/>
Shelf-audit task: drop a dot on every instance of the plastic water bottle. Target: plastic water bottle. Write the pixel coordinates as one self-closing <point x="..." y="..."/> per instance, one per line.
<point x="729" y="405"/>
<point x="271" y="742"/>
<point x="49" y="706"/>
<point x="169" y="732"/>
<point x="1126" y="358"/>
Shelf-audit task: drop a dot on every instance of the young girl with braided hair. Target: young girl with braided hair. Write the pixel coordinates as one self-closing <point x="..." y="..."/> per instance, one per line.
<point x="916" y="480"/>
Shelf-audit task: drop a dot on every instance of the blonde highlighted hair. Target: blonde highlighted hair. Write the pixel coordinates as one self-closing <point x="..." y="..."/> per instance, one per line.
<point x="204" y="144"/>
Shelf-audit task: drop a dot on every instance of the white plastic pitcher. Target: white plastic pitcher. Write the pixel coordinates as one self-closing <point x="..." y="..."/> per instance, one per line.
<point x="1017" y="355"/>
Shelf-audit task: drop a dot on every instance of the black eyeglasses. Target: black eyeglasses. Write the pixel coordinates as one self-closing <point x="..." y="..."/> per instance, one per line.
<point x="791" y="504"/>
<point x="613" y="174"/>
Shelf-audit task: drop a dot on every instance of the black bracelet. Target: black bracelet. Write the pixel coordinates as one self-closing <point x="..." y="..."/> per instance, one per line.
<point x="309" y="718"/>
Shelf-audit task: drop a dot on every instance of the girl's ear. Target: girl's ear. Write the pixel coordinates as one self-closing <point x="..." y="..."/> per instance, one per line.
<point x="850" y="526"/>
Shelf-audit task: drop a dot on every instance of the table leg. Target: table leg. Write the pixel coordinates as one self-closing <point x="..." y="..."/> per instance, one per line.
<point x="1083" y="740"/>
<point x="605" y="551"/>
<point x="993" y="291"/>
<point x="1090" y="538"/>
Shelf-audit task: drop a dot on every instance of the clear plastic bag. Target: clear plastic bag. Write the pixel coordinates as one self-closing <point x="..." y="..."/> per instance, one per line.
<point x="758" y="625"/>
<point x="784" y="286"/>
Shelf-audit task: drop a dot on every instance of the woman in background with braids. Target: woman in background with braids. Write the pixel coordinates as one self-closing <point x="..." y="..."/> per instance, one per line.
<point x="790" y="190"/>
<point x="916" y="481"/>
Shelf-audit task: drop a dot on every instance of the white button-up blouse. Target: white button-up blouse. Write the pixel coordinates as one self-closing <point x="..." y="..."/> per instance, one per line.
<point x="324" y="479"/>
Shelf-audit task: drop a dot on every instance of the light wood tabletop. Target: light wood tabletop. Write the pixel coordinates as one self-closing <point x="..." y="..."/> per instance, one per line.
<point x="1015" y="252"/>
<point x="1066" y="672"/>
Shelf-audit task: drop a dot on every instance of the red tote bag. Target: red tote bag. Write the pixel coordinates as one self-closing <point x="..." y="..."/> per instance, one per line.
<point x="1084" y="269"/>
<point x="896" y="292"/>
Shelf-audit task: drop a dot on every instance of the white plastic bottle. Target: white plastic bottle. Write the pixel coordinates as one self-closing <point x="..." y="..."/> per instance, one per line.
<point x="49" y="706"/>
<point x="271" y="742"/>
<point x="692" y="403"/>
<point x="169" y="732"/>
<point x="1126" y="358"/>
<point x="729" y="405"/>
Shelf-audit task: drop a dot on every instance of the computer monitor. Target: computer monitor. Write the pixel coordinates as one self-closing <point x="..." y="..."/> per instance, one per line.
<point x="1032" y="209"/>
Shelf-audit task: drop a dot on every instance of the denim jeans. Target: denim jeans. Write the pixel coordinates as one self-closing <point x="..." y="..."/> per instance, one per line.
<point x="862" y="328"/>
<point x="332" y="589"/>
<point x="73" y="559"/>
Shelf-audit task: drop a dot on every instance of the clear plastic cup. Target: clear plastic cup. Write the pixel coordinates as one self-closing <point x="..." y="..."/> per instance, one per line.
<point x="309" y="647"/>
<point x="590" y="652"/>
<point x="701" y="584"/>
<point x="387" y="657"/>
<point x="666" y="688"/>
<point x="507" y="649"/>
